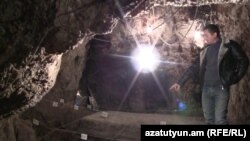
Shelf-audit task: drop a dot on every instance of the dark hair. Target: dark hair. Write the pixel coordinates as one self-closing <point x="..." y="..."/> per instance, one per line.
<point x="212" y="28"/>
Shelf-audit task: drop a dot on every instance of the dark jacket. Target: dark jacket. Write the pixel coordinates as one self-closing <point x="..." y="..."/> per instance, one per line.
<point x="232" y="61"/>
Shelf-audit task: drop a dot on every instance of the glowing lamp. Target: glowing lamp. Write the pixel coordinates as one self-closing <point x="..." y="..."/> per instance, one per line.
<point x="197" y="35"/>
<point x="145" y="58"/>
<point x="149" y="29"/>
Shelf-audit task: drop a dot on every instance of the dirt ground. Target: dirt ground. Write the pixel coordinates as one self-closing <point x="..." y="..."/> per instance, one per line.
<point x="124" y="126"/>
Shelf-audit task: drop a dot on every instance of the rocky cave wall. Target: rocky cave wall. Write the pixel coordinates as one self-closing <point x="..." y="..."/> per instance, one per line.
<point x="35" y="34"/>
<point x="175" y="40"/>
<point x="58" y="27"/>
<point x="34" y="37"/>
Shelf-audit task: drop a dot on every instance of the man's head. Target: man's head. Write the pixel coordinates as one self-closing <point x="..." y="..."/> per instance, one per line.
<point x="211" y="33"/>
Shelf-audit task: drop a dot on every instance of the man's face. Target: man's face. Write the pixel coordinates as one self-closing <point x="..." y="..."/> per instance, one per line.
<point x="209" y="38"/>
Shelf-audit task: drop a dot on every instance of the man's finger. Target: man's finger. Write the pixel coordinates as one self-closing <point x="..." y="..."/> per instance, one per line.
<point x="173" y="88"/>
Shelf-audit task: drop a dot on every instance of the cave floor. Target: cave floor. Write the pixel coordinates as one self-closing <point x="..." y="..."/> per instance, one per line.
<point x="125" y="126"/>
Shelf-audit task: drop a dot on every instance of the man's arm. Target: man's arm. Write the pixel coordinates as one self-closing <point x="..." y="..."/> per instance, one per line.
<point x="241" y="57"/>
<point x="191" y="72"/>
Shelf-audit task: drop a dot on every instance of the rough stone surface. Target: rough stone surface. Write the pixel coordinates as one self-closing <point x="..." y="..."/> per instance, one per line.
<point x="31" y="55"/>
<point x="175" y="41"/>
<point x="235" y="25"/>
<point x="56" y="27"/>
<point x="14" y="129"/>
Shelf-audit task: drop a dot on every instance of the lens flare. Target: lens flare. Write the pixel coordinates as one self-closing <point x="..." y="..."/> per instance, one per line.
<point x="197" y="35"/>
<point x="145" y="58"/>
<point x="149" y="29"/>
<point x="182" y="106"/>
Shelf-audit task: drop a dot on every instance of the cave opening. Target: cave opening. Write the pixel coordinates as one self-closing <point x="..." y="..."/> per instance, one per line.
<point x="115" y="83"/>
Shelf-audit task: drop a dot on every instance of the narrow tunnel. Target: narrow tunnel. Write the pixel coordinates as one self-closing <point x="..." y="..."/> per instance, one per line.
<point x="111" y="80"/>
<point x="70" y="70"/>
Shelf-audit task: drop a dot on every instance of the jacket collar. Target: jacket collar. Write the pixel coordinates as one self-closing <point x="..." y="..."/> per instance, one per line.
<point x="221" y="53"/>
<point x="203" y="55"/>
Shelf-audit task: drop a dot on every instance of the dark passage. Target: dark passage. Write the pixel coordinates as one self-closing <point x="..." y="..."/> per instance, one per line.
<point x="109" y="79"/>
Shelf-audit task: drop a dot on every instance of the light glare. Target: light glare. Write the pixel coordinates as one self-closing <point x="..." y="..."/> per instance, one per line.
<point x="197" y="35"/>
<point x="145" y="59"/>
<point x="149" y="29"/>
<point x="198" y="39"/>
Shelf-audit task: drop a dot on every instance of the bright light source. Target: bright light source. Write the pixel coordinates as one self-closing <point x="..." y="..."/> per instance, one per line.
<point x="197" y="35"/>
<point x="149" y="30"/>
<point x="78" y="93"/>
<point x="198" y="39"/>
<point x="145" y="58"/>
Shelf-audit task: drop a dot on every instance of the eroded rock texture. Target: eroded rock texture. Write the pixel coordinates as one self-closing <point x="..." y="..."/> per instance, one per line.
<point x="44" y="47"/>
<point x="52" y="28"/>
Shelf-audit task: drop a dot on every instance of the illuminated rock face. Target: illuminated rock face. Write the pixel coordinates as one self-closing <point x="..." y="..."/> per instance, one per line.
<point x="40" y="39"/>
<point x="34" y="36"/>
<point x="178" y="51"/>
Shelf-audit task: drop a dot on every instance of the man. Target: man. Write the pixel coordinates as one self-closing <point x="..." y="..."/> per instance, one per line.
<point x="219" y="65"/>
